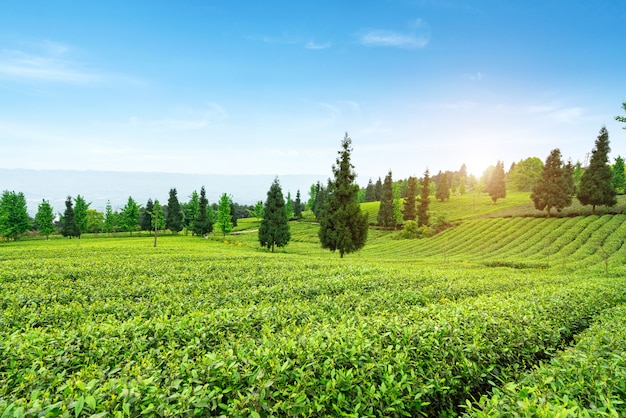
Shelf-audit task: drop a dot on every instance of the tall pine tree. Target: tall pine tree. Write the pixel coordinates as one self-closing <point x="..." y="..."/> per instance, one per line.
<point x="409" y="211"/>
<point x="442" y="191"/>
<point x="342" y="225"/>
<point x="422" y="210"/>
<point x="174" y="219"/>
<point x="274" y="228"/>
<point x="80" y="213"/>
<point x="297" y="206"/>
<point x="69" y="229"/>
<point x="496" y="187"/>
<point x="45" y="218"/>
<point x="224" y="218"/>
<point x="386" y="215"/>
<point x="555" y="187"/>
<point x="595" y="183"/>
<point x="202" y="224"/>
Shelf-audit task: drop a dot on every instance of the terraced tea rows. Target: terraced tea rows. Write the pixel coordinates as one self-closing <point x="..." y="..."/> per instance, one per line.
<point x="114" y="327"/>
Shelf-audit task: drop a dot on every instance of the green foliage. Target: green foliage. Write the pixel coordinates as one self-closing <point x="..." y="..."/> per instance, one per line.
<point x="204" y="222"/>
<point x="125" y="331"/>
<point x="257" y="210"/>
<point x="110" y="218"/>
<point x="69" y="228"/>
<point x="595" y="183"/>
<point x="14" y="219"/>
<point x="95" y="221"/>
<point x="409" y="209"/>
<point x="129" y="218"/>
<point x="80" y="213"/>
<point x="442" y="192"/>
<point x="588" y="379"/>
<point x="370" y="192"/>
<point x="145" y="219"/>
<point x="386" y="214"/>
<point x="224" y="218"/>
<point x="618" y="177"/>
<point x="526" y="174"/>
<point x="156" y="217"/>
<point x="297" y="206"/>
<point x="174" y="217"/>
<point x="422" y="210"/>
<point x="289" y="206"/>
<point x="274" y="229"/>
<point x="191" y="210"/>
<point x="496" y="187"/>
<point x="45" y="218"/>
<point x="378" y="190"/>
<point x="342" y="225"/>
<point x="555" y="188"/>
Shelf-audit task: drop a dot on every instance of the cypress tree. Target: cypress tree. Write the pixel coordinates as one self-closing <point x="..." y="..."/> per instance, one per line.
<point x="386" y="215"/>
<point x="274" y="228"/>
<point x="69" y="229"/>
<point x="174" y="219"/>
<point x="370" y="192"/>
<point x="555" y="187"/>
<point x="342" y="225"/>
<point x="595" y="183"/>
<point x="422" y="210"/>
<point x="496" y="187"/>
<point x="146" y="217"/>
<point x="409" y="211"/>
<point x="378" y="190"/>
<point x="202" y="225"/>
<point x="442" y="191"/>
<point x="297" y="210"/>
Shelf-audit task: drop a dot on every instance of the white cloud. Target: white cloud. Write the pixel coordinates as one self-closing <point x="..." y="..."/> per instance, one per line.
<point x="557" y="113"/>
<point x="46" y="61"/>
<point x="314" y="45"/>
<point x="416" y="37"/>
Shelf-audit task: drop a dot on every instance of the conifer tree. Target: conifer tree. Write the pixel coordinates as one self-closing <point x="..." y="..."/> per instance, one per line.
<point x="297" y="210"/>
<point x="555" y="187"/>
<point x="69" y="229"/>
<point x="203" y="225"/>
<point x="191" y="211"/>
<point x="370" y="192"/>
<point x="409" y="211"/>
<point x="618" y="177"/>
<point x="146" y="217"/>
<point x="224" y="218"/>
<point x="289" y="206"/>
<point x="386" y="215"/>
<point x="174" y="219"/>
<point x="595" y="183"/>
<point x="442" y="191"/>
<point x="109" y="218"/>
<point x="496" y="187"/>
<point x="130" y="216"/>
<point x="378" y="190"/>
<point x="342" y="225"/>
<point x="45" y="218"/>
<point x="80" y="213"/>
<point x="422" y="210"/>
<point x="274" y="228"/>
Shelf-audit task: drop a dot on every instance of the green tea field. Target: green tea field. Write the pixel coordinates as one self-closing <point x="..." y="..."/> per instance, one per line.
<point x="514" y="316"/>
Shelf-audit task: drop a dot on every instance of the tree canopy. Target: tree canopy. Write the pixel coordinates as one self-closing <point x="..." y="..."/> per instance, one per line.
<point x="14" y="219"/>
<point x="386" y="213"/>
<point x="45" y="218"/>
<point x="525" y="174"/>
<point x="595" y="183"/>
<point x="342" y="225"/>
<point x="224" y="218"/>
<point x="622" y="118"/>
<point x="422" y="210"/>
<point x="274" y="228"/>
<point x="618" y="176"/>
<point x="496" y="187"/>
<point x="555" y="187"/>
<point x="409" y="210"/>
<point x="174" y="218"/>
<point x="69" y="228"/>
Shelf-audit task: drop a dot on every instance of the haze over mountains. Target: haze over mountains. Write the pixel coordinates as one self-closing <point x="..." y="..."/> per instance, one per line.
<point x="99" y="186"/>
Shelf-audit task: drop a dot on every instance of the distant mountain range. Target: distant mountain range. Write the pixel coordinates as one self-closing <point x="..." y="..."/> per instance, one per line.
<point x="99" y="186"/>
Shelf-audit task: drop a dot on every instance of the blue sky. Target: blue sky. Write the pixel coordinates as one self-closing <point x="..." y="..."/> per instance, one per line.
<point x="251" y="87"/>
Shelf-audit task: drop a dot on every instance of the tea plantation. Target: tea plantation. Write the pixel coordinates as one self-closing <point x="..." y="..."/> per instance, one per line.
<point x="495" y="316"/>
